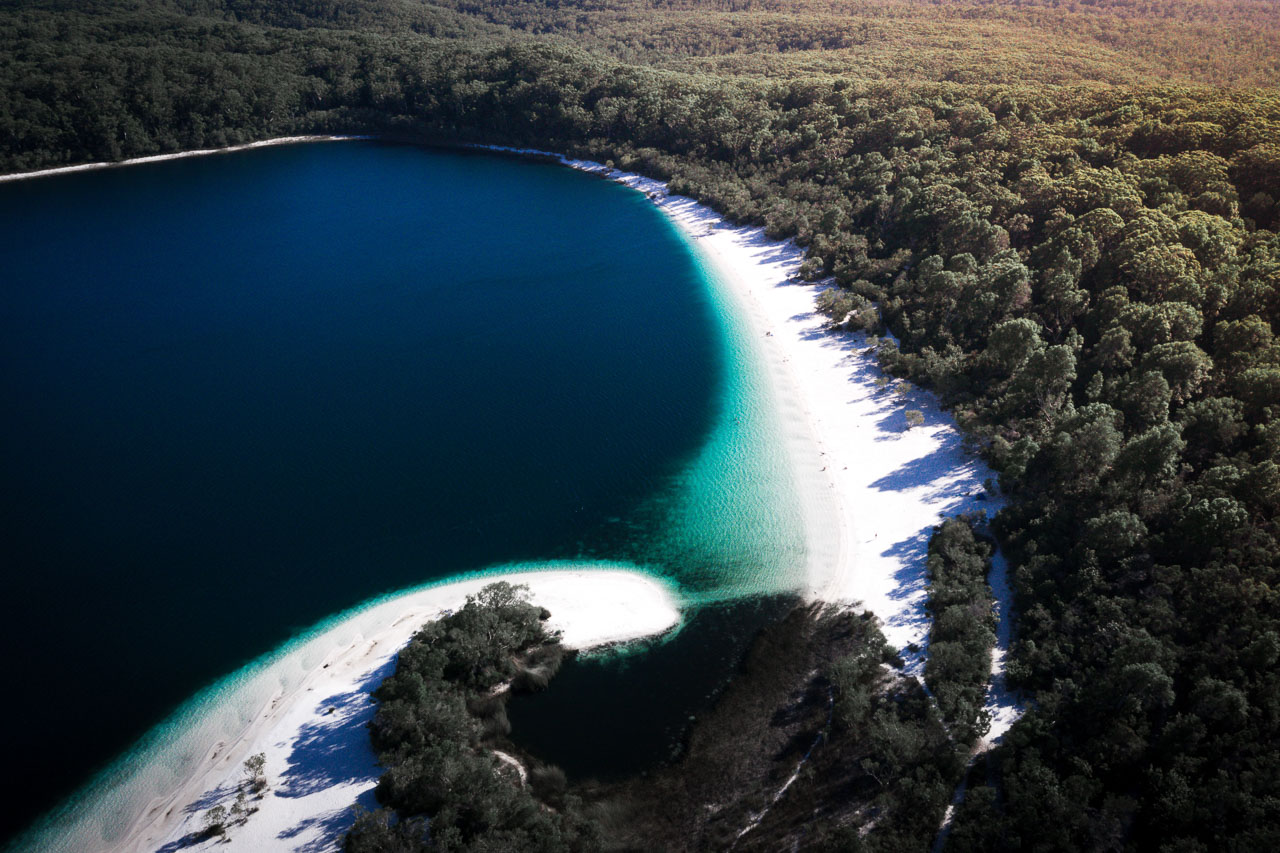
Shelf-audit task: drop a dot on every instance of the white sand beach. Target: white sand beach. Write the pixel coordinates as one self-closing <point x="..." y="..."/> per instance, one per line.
<point x="308" y="712"/>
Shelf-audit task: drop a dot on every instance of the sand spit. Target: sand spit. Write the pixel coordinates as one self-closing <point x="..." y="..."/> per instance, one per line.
<point x="307" y="711"/>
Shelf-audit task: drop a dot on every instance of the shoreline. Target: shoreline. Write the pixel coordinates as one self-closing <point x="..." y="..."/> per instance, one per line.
<point x="891" y="483"/>
<point x="873" y="490"/>
<point x="305" y="708"/>
<point x="179" y="155"/>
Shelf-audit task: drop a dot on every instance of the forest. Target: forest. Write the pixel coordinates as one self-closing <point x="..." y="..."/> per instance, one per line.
<point x="1061" y="217"/>
<point x="819" y="689"/>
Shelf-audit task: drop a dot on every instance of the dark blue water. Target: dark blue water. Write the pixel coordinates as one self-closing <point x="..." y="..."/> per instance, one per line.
<point x="586" y="721"/>
<point x="244" y="392"/>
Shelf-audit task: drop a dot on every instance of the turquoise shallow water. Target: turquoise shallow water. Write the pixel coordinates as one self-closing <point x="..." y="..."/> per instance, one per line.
<point x="255" y="390"/>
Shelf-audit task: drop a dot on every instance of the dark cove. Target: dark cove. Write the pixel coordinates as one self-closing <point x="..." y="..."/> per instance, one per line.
<point x="610" y="716"/>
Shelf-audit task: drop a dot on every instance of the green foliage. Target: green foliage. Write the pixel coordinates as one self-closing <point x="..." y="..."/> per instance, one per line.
<point x="818" y="692"/>
<point x="435" y="715"/>
<point x="962" y="630"/>
<point x="848" y="310"/>
<point x="379" y="832"/>
<point x="215" y="821"/>
<point x="899" y="761"/>
<point x="474" y="647"/>
<point x="255" y="772"/>
<point x="549" y="784"/>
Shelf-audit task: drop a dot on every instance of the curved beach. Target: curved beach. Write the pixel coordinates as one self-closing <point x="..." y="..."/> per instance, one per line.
<point x="890" y="483"/>
<point x="306" y="709"/>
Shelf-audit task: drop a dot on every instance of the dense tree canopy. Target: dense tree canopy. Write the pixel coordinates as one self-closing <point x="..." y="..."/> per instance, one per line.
<point x="1087" y="273"/>
<point x="433" y="731"/>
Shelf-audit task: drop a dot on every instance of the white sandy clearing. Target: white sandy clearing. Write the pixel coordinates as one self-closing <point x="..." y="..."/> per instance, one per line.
<point x="177" y="155"/>
<point x="318" y="758"/>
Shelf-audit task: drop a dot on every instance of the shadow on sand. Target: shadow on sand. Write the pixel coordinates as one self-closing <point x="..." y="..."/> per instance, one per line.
<point x="330" y="750"/>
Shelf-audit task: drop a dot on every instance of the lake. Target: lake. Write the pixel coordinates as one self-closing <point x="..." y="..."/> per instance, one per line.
<point x="246" y="392"/>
